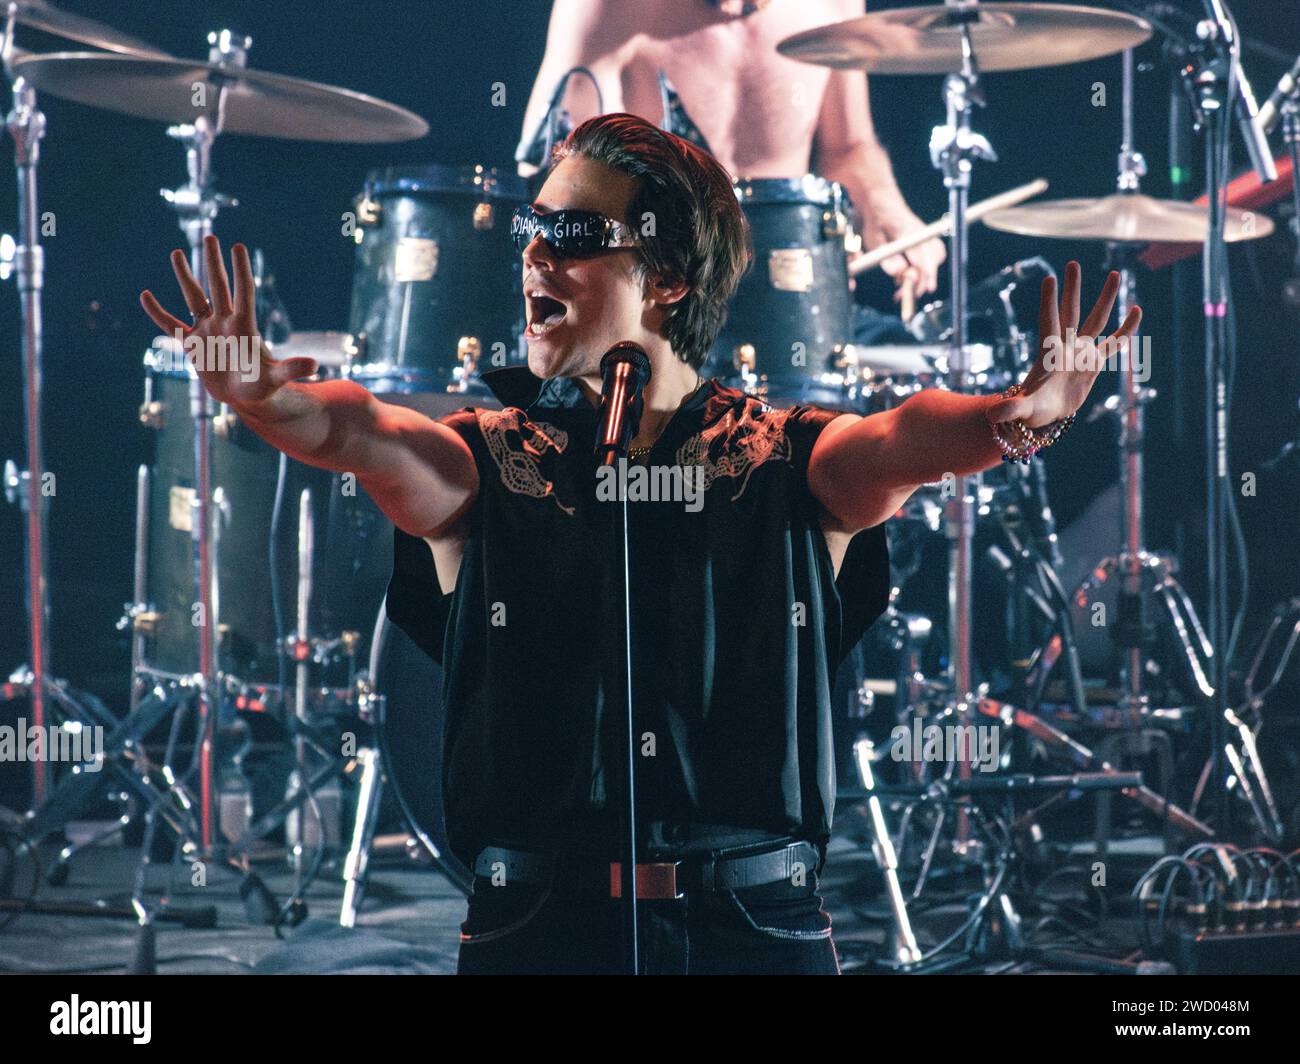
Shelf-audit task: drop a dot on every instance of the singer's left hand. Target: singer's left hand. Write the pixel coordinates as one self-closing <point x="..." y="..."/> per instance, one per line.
<point x="1070" y="357"/>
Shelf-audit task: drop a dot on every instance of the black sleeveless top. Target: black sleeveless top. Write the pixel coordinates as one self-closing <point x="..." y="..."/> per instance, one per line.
<point x="738" y="625"/>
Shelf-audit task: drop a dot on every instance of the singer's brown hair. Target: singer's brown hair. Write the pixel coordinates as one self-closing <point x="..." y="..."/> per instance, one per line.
<point x="688" y="222"/>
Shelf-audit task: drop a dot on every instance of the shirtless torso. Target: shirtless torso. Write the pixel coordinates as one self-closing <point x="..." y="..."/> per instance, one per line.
<point x="762" y="114"/>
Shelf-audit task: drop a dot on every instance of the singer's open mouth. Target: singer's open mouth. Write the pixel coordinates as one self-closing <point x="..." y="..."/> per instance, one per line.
<point x="544" y="313"/>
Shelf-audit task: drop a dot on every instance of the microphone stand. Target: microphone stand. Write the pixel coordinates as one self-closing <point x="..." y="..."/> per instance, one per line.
<point x="615" y="433"/>
<point x="629" y="849"/>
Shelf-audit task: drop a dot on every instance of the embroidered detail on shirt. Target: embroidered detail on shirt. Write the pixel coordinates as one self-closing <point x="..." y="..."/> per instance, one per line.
<point x="737" y="444"/>
<point x="520" y="448"/>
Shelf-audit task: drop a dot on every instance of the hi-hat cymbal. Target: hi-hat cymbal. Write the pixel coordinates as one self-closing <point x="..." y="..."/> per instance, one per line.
<point x="1126" y="218"/>
<point x="255" y="104"/>
<point x="39" y="15"/>
<point x="1005" y="36"/>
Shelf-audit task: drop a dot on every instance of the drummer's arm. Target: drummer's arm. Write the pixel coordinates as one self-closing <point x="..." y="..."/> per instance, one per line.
<point x="582" y="33"/>
<point x="862" y="469"/>
<point x="845" y="147"/>
<point x="420" y="473"/>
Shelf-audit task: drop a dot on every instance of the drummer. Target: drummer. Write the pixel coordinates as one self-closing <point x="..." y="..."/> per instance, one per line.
<point x="760" y="114"/>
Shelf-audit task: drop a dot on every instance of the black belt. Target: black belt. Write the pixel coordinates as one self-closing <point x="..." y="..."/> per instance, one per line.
<point x="654" y="879"/>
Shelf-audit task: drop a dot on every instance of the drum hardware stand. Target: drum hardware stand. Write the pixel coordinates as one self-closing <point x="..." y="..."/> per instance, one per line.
<point x="1040" y="555"/>
<point x="953" y="148"/>
<point x="993" y="928"/>
<point x="1246" y="720"/>
<point x="370" y="705"/>
<point x="357" y="862"/>
<point x="903" y="945"/>
<point x="123" y="764"/>
<point x="26" y="127"/>
<point x="1134" y="631"/>
<point x="25" y="261"/>
<point x="301" y="651"/>
<point x="196" y="205"/>
<point x="1084" y="758"/>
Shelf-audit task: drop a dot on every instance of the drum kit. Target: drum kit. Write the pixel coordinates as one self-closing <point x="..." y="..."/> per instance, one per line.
<point x="258" y="582"/>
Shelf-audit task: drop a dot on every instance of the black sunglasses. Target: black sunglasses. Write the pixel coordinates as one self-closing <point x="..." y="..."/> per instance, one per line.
<point x="569" y="232"/>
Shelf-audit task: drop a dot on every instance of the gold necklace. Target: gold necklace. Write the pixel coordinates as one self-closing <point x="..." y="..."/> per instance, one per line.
<point x="635" y="454"/>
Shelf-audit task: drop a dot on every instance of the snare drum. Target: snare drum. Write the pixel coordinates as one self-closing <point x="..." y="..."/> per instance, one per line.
<point x="437" y="290"/>
<point x="792" y="314"/>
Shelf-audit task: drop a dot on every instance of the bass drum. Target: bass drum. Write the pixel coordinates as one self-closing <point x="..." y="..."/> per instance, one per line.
<point x="409" y="725"/>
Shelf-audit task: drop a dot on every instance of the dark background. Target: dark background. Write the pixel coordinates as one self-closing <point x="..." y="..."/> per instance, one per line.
<point x="101" y="173"/>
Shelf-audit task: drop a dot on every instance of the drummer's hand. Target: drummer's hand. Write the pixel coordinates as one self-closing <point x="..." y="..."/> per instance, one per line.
<point x="1060" y="379"/>
<point x="238" y="372"/>
<point x="920" y="264"/>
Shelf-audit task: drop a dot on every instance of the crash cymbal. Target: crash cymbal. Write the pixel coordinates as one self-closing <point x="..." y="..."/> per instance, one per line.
<point x="1125" y="218"/>
<point x="256" y="104"/>
<point x="39" y="15"/>
<point x="928" y="40"/>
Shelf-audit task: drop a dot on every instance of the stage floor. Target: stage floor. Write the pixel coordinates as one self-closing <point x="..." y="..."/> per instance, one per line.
<point x="409" y="922"/>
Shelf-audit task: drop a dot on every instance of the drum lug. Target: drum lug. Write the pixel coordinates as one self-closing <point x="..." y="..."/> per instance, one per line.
<point x="151" y="414"/>
<point x="370" y="704"/>
<point x="834" y="223"/>
<point x="145" y="621"/>
<point x="468" y="350"/>
<point x="224" y="425"/>
<point x="484" y="216"/>
<point x="15" y="484"/>
<point x="745" y="358"/>
<point x="369" y="213"/>
<point x="354" y="350"/>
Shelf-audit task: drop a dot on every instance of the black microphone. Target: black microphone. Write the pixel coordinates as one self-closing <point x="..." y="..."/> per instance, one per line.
<point x="624" y="372"/>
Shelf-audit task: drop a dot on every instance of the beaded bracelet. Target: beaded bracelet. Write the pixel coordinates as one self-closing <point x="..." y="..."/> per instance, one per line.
<point x="1026" y="442"/>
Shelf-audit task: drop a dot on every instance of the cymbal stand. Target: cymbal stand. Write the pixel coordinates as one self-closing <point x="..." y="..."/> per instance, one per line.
<point x="26" y="127"/>
<point x="953" y="148"/>
<point x="196" y="205"/>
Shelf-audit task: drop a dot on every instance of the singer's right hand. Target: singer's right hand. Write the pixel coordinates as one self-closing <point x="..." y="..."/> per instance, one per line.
<point x="223" y="343"/>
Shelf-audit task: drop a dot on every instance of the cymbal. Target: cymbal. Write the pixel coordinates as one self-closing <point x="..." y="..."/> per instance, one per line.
<point x="39" y="15"/>
<point x="256" y="104"/>
<point x="1126" y="218"/>
<point x="1006" y="36"/>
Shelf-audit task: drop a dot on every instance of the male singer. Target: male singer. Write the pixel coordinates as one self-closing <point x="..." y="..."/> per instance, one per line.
<point x="740" y="609"/>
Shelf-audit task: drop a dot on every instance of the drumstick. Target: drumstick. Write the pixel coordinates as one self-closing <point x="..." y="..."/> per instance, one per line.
<point x="907" y="300"/>
<point x="869" y="259"/>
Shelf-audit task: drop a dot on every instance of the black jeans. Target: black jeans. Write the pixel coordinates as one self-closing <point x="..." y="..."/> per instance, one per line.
<point x="524" y="929"/>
